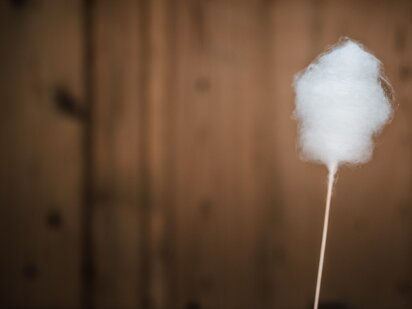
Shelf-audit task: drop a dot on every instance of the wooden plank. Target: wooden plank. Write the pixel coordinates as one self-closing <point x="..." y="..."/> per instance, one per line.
<point x="120" y="180"/>
<point x="300" y="184"/>
<point x="162" y="153"/>
<point x="225" y="185"/>
<point x="40" y="159"/>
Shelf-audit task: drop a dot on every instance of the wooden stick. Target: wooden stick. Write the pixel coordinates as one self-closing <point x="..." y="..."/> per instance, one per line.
<point x="332" y="171"/>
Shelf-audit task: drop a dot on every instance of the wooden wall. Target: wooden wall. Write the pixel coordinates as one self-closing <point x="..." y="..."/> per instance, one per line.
<point x="148" y="158"/>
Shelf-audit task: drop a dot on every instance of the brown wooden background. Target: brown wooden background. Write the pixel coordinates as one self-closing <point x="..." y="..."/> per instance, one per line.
<point x="147" y="157"/>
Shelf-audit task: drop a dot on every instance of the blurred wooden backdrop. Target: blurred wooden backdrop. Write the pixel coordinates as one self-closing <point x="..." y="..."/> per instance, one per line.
<point x="148" y="157"/>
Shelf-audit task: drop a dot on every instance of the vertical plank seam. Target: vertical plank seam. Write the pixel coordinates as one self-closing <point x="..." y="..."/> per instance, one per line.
<point x="87" y="263"/>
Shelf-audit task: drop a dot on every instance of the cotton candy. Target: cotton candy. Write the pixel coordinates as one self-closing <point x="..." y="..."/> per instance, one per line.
<point x="342" y="102"/>
<point x="341" y="105"/>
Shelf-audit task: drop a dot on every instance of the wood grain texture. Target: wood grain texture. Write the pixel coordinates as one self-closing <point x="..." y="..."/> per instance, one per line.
<point x="162" y="137"/>
<point x="121" y="180"/>
<point x="148" y="157"/>
<point x="40" y="158"/>
<point x="225" y="185"/>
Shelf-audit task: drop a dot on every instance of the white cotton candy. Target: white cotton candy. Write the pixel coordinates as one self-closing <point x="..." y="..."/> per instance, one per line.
<point x="341" y="105"/>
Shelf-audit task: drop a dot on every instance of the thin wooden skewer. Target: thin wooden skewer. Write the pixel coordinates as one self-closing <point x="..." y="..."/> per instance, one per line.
<point x="331" y="177"/>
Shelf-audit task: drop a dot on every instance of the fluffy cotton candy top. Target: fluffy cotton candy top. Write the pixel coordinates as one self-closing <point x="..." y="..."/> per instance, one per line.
<point x="341" y="105"/>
